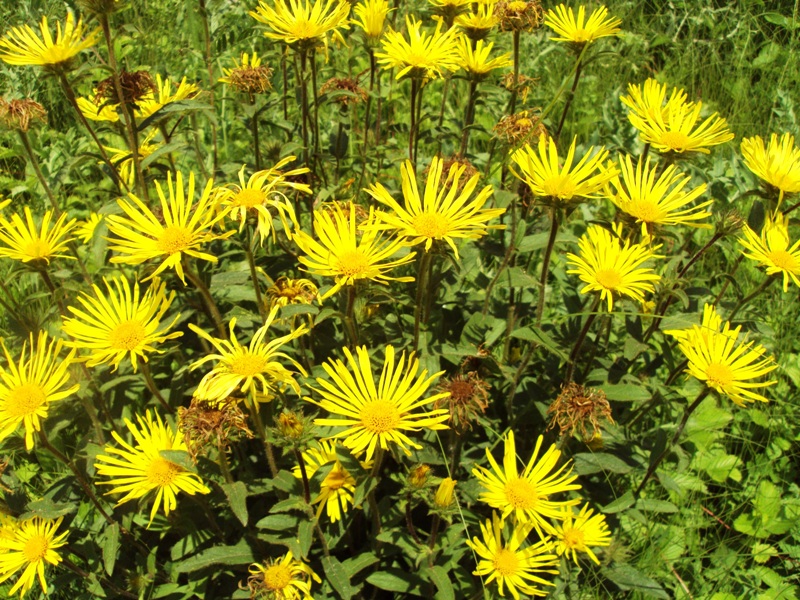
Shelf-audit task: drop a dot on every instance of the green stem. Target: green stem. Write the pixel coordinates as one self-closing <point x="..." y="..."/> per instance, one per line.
<point x="255" y="411"/>
<point x="423" y="276"/>
<point x="409" y="522"/>
<point x="469" y="116"/>
<point x="222" y="461"/>
<point x="301" y="80"/>
<point x="571" y="96"/>
<point x="573" y="356"/>
<point x="373" y="503"/>
<point x="304" y="474"/>
<point x="254" y="131"/>
<point x="251" y="261"/>
<point x="151" y="385"/>
<point x="350" y="315"/>
<point x="317" y="146"/>
<point x="413" y="122"/>
<point x="548" y="252"/>
<point x="746" y="300"/>
<point x="208" y="300"/>
<point x="211" y="82"/>
<point x="512" y="104"/>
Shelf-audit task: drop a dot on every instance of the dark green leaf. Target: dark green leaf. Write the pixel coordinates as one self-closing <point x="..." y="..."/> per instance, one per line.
<point x="337" y="577"/>
<point x="180" y="458"/>
<point x="110" y="547"/>
<point x="236" y="493"/>
<point x="626" y="392"/>
<point x="240" y="554"/>
<point x="659" y="506"/>
<point x="628" y="578"/>
<point x="444" y="589"/>
<point x="395" y="580"/>
<point x="47" y="509"/>
<point x="622" y="503"/>
<point x="587" y="463"/>
<point x="359" y="563"/>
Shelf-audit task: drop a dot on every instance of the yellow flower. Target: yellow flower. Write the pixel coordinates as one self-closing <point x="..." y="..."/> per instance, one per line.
<point x="85" y="229"/>
<point x="371" y="17"/>
<point x="29" y="545"/>
<point x="282" y="579"/>
<point x="526" y="494"/>
<point x="377" y="415"/>
<point x="778" y="164"/>
<point x="253" y="369"/>
<point x="138" y="470"/>
<point x="262" y="192"/>
<point x="345" y="255"/>
<point x="477" y="24"/>
<point x="27" y="387"/>
<point x="21" y="46"/>
<point x="443" y="213"/>
<point x="545" y="175"/>
<point x="287" y="291"/>
<point x="122" y="159"/>
<point x="578" y="533"/>
<point x="724" y="365"/>
<point x="580" y="31"/>
<point x="336" y="490"/>
<point x="120" y="322"/>
<point x="187" y="225"/>
<point x="24" y="243"/>
<point x="610" y="267"/>
<point x="476" y="60"/>
<point x="93" y="112"/>
<point x="509" y="564"/>
<point x="673" y="127"/>
<point x="302" y="23"/>
<point x="659" y="201"/>
<point x="772" y="250"/>
<point x="423" y="55"/>
<point x="248" y="75"/>
<point x="445" y="493"/>
<point x="151" y="102"/>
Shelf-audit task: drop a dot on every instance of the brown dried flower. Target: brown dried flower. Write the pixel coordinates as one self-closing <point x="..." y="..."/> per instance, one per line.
<point x="212" y="424"/>
<point x="523" y="84"/>
<point x="418" y="476"/>
<point x="469" y="397"/>
<point x="135" y="86"/>
<point x="520" y="128"/>
<point x="249" y="75"/>
<point x="353" y="93"/>
<point x="20" y="114"/>
<point x="519" y="15"/>
<point x="581" y="409"/>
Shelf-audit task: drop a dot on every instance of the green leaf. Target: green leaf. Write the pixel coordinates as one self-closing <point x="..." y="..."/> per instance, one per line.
<point x="355" y="565"/>
<point x="236" y="493"/>
<point x="444" y="589"/>
<point x="305" y="537"/>
<point x="537" y="336"/>
<point x="628" y="578"/>
<point x="47" y="509"/>
<point x="110" y="547"/>
<point x="337" y="576"/>
<point x="150" y="158"/>
<point x="181" y="106"/>
<point x="292" y="310"/>
<point x="395" y="580"/>
<point x="240" y="554"/>
<point x="180" y="458"/>
<point x="624" y="502"/>
<point x="626" y="392"/>
<point x="587" y="463"/>
<point x="659" y="506"/>
<point x="279" y="522"/>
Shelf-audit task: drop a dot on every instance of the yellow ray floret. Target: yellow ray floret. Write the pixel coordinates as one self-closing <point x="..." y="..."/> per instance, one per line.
<point x="581" y="533"/>
<point x="378" y="415"/>
<point x="422" y="55"/>
<point x="27" y="546"/>
<point x="370" y="16"/>
<point x="479" y="22"/>
<point x="772" y="249"/>
<point x="85" y="230"/>
<point x="578" y="30"/>
<point x="164" y="95"/>
<point x="22" y="46"/>
<point x="301" y="22"/>
<point x="778" y="163"/>
<point x="476" y="60"/>
<point x="23" y="242"/>
<point x="282" y="579"/>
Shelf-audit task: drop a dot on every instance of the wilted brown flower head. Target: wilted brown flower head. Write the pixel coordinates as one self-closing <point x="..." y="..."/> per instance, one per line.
<point x="519" y="128"/>
<point x="580" y="409"/>
<point x="20" y="114"/>
<point x="519" y="15"/>
<point x="345" y="90"/>
<point x="729" y="221"/>
<point x="212" y="424"/>
<point x="99" y="7"/>
<point x="291" y="291"/>
<point x="289" y="425"/>
<point x="523" y="84"/>
<point x="250" y="77"/>
<point x="469" y="397"/>
<point x="418" y="476"/>
<point x="135" y="86"/>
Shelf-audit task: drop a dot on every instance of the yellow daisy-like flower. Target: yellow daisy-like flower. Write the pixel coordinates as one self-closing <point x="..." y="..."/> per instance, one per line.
<point x="771" y="249"/>
<point x="476" y="60"/>
<point x="252" y="369"/>
<point x="122" y="159"/>
<point x="509" y="564"/>
<point x="445" y="493"/>
<point x="85" y="229"/>
<point x="28" y="545"/>
<point x="302" y="23"/>
<point x="477" y="24"/>
<point x="526" y="495"/>
<point x="444" y="212"/>
<point x="581" y="532"/>
<point x="545" y="174"/>
<point x="578" y="30"/>
<point x="120" y="322"/>
<point x="151" y="102"/>
<point x="659" y="201"/>
<point x="370" y="16"/>
<point x="610" y="267"/>
<point x="136" y="470"/>
<point x="336" y="490"/>
<point x="287" y="291"/>
<point x="778" y="164"/>
<point x="93" y="112"/>
<point x="22" y="46"/>
<point x="27" y="387"/>
<point x="423" y="55"/>
<point x="724" y="365"/>
<point x="346" y="254"/>
<point x="673" y="127"/>
<point x="24" y="243"/>
<point x="378" y="415"/>
<point x="259" y="194"/>
<point x="282" y="579"/>
<point x="186" y="226"/>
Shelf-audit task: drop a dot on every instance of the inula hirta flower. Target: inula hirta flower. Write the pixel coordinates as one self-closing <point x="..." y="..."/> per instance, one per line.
<point x="477" y="23"/>
<point x="29" y="385"/>
<point x="475" y="60"/>
<point x="152" y="102"/>
<point x="22" y="46"/>
<point x="248" y="75"/>
<point x="123" y="160"/>
<point x="302" y="23"/>
<point x="443" y="212"/>
<point x="281" y="579"/>
<point x="21" y="114"/>
<point x="612" y="267"/>
<point x="518" y="15"/>
<point x="377" y="415"/>
<point x="579" y="30"/>
<point x="580" y="533"/>
<point x="773" y="249"/>
<point x="27" y="546"/>
<point x="85" y="230"/>
<point x="777" y="164"/>
<point x="526" y="495"/>
<point x="287" y="291"/>
<point x="370" y="16"/>
<point x="423" y="55"/>
<point x="717" y="358"/>
<point x="24" y="242"/>
<point x="121" y="322"/>
<point x="139" y="469"/>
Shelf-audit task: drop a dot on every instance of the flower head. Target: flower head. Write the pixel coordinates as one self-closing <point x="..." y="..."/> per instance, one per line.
<point x="29" y="545"/>
<point x="442" y="212"/>
<point x="526" y="495"/>
<point x="520" y="128"/>
<point x="287" y="291"/>
<point x="248" y="75"/>
<point x="345" y="254"/>
<point x="578" y="30"/>
<point x="445" y="493"/>
<point x="28" y="386"/>
<point x="301" y="23"/>
<point x="21" y="114"/>
<point x="547" y="177"/>
<point x="477" y="23"/>
<point x="423" y="55"/>
<point x="93" y="112"/>
<point x="24" y="243"/>
<point x="581" y="532"/>
<point x="475" y="61"/>
<point x="777" y="164"/>
<point x="137" y="470"/>
<point x="85" y="229"/>
<point x="252" y="369"/>
<point x="580" y="409"/>
<point x="282" y="579"/>
<point x="772" y="248"/>
<point x="508" y="563"/>
<point x="123" y="160"/>
<point x="120" y="322"/>
<point x="518" y="15"/>
<point x="152" y="102"/>
<point x="717" y="358"/>
<point x="370" y="16"/>
<point x="186" y="226"/>
<point x="21" y="46"/>
<point x="376" y="415"/>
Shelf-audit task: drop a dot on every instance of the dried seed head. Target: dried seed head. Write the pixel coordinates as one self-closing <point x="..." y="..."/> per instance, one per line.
<point x="580" y="409"/>
<point x="517" y="129"/>
<point x="345" y="90"/>
<point x="291" y="291"/>
<point x="21" y="114"/>
<point x="519" y="15"/>
<point x="290" y="426"/>
<point x="418" y="476"/>
<point x="135" y="86"/>
<point x="212" y="424"/>
<point x="469" y="397"/>
<point x="523" y="84"/>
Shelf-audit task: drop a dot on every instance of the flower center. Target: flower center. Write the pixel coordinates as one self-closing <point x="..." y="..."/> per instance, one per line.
<point x="128" y="335"/>
<point x="581" y="35"/>
<point x="573" y="538"/>
<point x="161" y="472"/>
<point x="379" y="416"/>
<point x="608" y="278"/>
<point x="174" y="239"/>
<point x="719" y="375"/>
<point x="35" y="549"/>
<point x="431" y="225"/>
<point x="783" y="260"/>
<point x="675" y="140"/>
<point x="647" y="211"/>
<point x="304" y="30"/>
<point x="54" y="54"/>
<point x="249" y="198"/>
<point x="521" y="494"/>
<point x="559" y="186"/>
<point x="277" y="577"/>
<point x="337" y="479"/>
<point x="248" y="365"/>
<point x="506" y="562"/>
<point x="353" y="264"/>
<point x="37" y="248"/>
<point x="24" y="400"/>
<point x="517" y="6"/>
